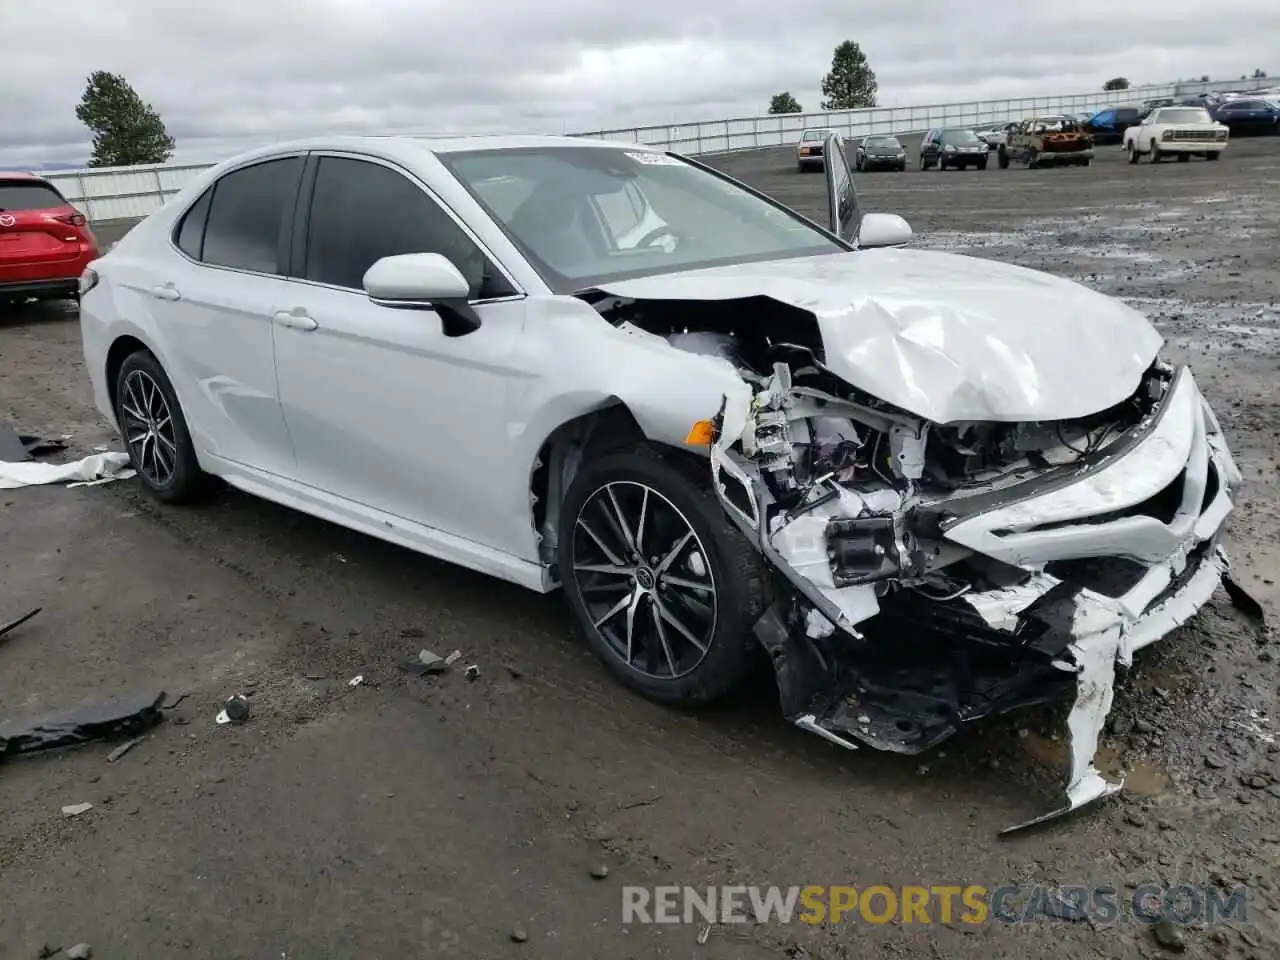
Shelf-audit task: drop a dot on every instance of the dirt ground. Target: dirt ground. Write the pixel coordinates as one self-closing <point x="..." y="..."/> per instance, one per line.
<point x="431" y="818"/>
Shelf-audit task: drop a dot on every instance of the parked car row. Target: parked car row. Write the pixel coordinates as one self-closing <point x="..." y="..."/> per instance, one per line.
<point x="1199" y="125"/>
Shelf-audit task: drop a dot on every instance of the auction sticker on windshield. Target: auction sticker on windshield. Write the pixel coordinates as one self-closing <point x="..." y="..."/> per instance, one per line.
<point x="655" y="159"/>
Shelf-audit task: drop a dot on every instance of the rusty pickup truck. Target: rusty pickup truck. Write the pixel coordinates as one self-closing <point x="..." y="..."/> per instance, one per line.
<point x="1040" y="141"/>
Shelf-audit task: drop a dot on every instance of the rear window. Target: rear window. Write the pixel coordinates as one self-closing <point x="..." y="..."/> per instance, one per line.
<point x="16" y="195"/>
<point x="1182" y="115"/>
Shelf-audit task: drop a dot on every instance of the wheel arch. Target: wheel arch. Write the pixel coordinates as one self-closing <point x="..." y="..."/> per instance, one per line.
<point x="610" y="425"/>
<point x="124" y="345"/>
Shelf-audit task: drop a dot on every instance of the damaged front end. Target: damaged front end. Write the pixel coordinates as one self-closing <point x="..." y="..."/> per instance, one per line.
<point x="935" y="574"/>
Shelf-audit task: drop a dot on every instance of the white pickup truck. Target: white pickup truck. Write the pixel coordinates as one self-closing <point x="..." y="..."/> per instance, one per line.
<point x="1183" y="132"/>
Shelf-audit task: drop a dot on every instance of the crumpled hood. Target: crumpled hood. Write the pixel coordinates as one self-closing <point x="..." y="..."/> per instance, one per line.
<point x="945" y="336"/>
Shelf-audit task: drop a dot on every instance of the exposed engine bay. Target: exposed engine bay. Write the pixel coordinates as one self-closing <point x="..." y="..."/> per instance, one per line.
<point x="932" y="574"/>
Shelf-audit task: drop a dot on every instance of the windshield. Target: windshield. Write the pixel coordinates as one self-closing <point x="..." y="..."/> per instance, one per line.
<point x="884" y="143"/>
<point x="810" y="135"/>
<point x="1182" y="115"/>
<point x="959" y="136"/>
<point x="584" y="216"/>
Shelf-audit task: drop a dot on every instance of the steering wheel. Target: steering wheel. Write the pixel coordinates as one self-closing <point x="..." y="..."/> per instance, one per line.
<point x="663" y="231"/>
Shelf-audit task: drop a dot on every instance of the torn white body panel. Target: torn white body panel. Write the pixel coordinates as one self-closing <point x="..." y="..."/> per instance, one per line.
<point x="95" y="468"/>
<point x="944" y="336"/>
<point x="1054" y="525"/>
<point x="1000" y="607"/>
<point x="854" y="521"/>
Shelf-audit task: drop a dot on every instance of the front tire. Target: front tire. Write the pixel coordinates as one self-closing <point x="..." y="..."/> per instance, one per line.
<point x="1002" y="158"/>
<point x="1212" y="155"/>
<point x="1133" y="151"/>
<point x="664" y="586"/>
<point x="155" y="432"/>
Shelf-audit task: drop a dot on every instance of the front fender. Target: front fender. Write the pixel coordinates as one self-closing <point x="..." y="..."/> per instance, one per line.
<point x="584" y="364"/>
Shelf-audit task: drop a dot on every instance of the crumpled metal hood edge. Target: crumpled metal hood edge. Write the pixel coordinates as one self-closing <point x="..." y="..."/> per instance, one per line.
<point x="946" y="337"/>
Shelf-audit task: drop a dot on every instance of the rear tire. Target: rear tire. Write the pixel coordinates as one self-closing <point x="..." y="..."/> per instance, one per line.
<point x="1184" y="157"/>
<point x="164" y="457"/>
<point x="1133" y="151"/>
<point x="1002" y="158"/>
<point x="660" y="497"/>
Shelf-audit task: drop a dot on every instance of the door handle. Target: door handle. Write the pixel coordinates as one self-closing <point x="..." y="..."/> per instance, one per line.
<point x="166" y="291"/>
<point x="296" y="319"/>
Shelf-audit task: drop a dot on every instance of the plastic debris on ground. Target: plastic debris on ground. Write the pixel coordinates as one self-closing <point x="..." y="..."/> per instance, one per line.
<point x="95" y="469"/>
<point x="75" y="809"/>
<point x="124" y="748"/>
<point x="429" y="662"/>
<point x="235" y="711"/>
<point x="19" y="447"/>
<point x="14" y="624"/>
<point x="116" y="719"/>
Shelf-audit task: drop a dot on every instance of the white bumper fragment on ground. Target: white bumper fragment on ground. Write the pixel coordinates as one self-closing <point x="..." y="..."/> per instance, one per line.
<point x="94" y="469"/>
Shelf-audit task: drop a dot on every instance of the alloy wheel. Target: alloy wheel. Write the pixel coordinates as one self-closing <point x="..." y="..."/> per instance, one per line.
<point x="645" y="579"/>
<point x="148" y="428"/>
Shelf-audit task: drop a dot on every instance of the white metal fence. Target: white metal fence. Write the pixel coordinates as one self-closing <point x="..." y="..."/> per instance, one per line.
<point x="117" y="193"/>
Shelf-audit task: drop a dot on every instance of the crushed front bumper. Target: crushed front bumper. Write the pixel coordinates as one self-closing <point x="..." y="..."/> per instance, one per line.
<point x="1116" y="551"/>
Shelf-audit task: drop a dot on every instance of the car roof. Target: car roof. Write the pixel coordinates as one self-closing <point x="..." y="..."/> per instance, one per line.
<point x="410" y="149"/>
<point x="20" y="175"/>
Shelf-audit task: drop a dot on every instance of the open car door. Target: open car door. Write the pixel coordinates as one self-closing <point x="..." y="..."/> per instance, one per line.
<point x="842" y="198"/>
<point x="847" y="222"/>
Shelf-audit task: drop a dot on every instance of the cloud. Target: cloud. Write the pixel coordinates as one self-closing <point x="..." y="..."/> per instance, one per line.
<point x="240" y="72"/>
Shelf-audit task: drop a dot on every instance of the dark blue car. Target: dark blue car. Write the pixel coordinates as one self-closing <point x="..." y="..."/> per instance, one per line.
<point x="1248" y="117"/>
<point x="1108" y="125"/>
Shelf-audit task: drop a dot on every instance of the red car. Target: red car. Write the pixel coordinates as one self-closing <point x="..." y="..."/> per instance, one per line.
<point x="45" y="242"/>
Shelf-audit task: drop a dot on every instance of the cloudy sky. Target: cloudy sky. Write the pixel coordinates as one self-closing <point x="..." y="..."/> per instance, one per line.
<point x="225" y="74"/>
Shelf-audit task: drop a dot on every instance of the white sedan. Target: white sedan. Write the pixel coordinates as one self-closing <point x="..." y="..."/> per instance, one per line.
<point x="931" y="487"/>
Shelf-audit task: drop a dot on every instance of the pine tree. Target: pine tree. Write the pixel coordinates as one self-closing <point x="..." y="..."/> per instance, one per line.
<point x="851" y="84"/>
<point x="126" y="130"/>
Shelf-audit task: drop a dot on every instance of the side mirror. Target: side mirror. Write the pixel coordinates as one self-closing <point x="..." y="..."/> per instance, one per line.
<point x="423" y="281"/>
<point x="884" y="230"/>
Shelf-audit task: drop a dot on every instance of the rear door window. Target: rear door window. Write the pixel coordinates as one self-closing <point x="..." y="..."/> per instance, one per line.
<point x="190" y="234"/>
<point x="19" y="195"/>
<point x="247" y="216"/>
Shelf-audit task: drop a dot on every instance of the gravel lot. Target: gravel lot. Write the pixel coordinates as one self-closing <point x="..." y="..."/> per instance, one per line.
<point x="412" y="818"/>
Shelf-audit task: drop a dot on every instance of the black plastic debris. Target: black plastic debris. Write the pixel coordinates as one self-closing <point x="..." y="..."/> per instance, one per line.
<point x="113" y="720"/>
<point x="17" y="447"/>
<point x="1245" y="603"/>
<point x="235" y="711"/>
<point x="14" y="624"/>
<point x="12" y="449"/>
